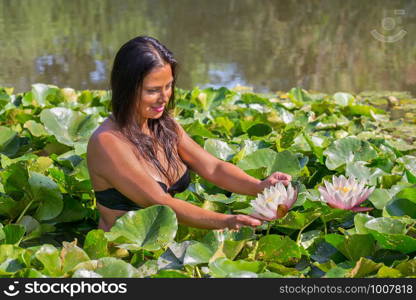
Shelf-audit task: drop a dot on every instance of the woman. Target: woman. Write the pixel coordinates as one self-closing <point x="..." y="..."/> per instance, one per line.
<point x="140" y="156"/>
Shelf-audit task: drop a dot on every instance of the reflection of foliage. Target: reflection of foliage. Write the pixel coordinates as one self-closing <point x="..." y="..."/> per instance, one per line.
<point x="323" y="45"/>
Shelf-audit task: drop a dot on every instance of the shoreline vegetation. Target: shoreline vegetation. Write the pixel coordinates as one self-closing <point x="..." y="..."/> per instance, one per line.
<point x="49" y="219"/>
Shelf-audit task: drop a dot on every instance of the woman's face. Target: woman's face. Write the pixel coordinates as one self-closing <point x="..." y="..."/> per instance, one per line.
<point x="156" y="92"/>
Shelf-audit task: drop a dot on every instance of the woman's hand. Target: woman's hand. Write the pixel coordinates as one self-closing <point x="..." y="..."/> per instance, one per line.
<point x="238" y="221"/>
<point x="275" y="178"/>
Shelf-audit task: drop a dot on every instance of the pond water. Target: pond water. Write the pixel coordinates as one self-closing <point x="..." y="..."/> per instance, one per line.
<point x="271" y="45"/>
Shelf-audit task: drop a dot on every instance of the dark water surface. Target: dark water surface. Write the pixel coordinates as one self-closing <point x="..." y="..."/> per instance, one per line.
<point x="328" y="45"/>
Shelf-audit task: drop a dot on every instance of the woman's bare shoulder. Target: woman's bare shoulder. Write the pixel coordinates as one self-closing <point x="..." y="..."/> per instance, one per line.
<point x="106" y="133"/>
<point x="106" y="143"/>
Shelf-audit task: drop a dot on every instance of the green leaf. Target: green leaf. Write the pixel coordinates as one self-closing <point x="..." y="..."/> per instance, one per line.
<point x="362" y="110"/>
<point x="46" y="192"/>
<point x="386" y="225"/>
<point x="9" y="141"/>
<point x="308" y="238"/>
<point x="13" y="233"/>
<point x="29" y="223"/>
<point x="288" y="136"/>
<point x="361" y="172"/>
<point x="9" y="251"/>
<point x="95" y="244"/>
<point x="43" y="93"/>
<point x="379" y="198"/>
<point x="286" y="162"/>
<point x="387" y="272"/>
<point x="10" y="266"/>
<point x="223" y="267"/>
<point x="196" y="128"/>
<point x="72" y="211"/>
<point x="28" y="273"/>
<point x="280" y="249"/>
<point x="403" y="203"/>
<point x="360" y="220"/>
<point x="390" y="234"/>
<point x="219" y="149"/>
<point x="35" y="128"/>
<point x="217" y="244"/>
<point x="9" y="207"/>
<point x="106" y="267"/>
<point x="343" y="99"/>
<point x="173" y="257"/>
<point x="199" y="253"/>
<point x="347" y="150"/>
<point x="259" y="129"/>
<point x="409" y="162"/>
<point x="364" y="267"/>
<point x="283" y="161"/>
<point x="407" y="268"/>
<point x="297" y="220"/>
<point x="397" y="242"/>
<point x="358" y="245"/>
<point x="337" y="272"/>
<point x="48" y="255"/>
<point x="258" y="159"/>
<point x="151" y="228"/>
<point x="170" y="274"/>
<point x="298" y="96"/>
<point x="68" y="126"/>
<point x="71" y="255"/>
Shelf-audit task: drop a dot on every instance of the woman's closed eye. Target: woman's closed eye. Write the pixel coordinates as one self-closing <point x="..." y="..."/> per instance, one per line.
<point x="157" y="90"/>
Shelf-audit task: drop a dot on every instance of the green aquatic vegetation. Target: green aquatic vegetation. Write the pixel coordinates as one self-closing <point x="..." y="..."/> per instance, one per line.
<point x="49" y="218"/>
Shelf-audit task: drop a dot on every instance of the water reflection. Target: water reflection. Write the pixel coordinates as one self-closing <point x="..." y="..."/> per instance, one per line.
<point x="323" y="45"/>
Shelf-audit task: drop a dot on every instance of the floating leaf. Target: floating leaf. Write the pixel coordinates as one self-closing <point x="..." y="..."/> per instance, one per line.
<point x="219" y="149"/>
<point x="280" y="249"/>
<point x="151" y="228"/>
<point x="223" y="267"/>
<point x="68" y="126"/>
<point x="348" y="150"/>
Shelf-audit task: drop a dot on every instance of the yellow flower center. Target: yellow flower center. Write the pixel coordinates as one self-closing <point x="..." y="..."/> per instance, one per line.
<point x="269" y="200"/>
<point x="344" y="189"/>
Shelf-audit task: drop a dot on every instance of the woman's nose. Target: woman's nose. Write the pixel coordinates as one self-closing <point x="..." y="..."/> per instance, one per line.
<point x="165" y="95"/>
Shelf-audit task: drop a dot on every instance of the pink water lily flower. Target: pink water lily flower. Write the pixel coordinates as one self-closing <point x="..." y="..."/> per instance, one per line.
<point x="345" y="193"/>
<point x="274" y="202"/>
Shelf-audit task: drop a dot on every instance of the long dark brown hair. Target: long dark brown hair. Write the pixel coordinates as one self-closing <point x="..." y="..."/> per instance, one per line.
<point x="135" y="59"/>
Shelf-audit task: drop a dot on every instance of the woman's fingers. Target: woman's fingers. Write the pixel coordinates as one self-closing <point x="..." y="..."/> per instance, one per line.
<point x="283" y="176"/>
<point x="244" y="220"/>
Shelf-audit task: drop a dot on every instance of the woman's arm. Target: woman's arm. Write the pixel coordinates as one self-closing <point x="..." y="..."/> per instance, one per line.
<point x="114" y="160"/>
<point x="221" y="173"/>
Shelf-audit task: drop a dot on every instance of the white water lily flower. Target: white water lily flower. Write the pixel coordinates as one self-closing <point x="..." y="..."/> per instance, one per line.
<point x="274" y="202"/>
<point x="345" y="193"/>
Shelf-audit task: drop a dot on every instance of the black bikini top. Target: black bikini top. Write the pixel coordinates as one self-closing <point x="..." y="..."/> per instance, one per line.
<point x="113" y="199"/>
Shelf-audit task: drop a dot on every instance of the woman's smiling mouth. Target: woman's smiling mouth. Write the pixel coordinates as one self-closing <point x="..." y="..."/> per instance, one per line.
<point x="158" y="108"/>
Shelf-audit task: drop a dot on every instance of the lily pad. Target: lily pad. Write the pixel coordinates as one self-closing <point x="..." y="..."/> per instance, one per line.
<point x="277" y="248"/>
<point x="151" y="228"/>
<point x="284" y="161"/>
<point x="45" y="192"/>
<point x="223" y="267"/>
<point x="219" y="149"/>
<point x="95" y="244"/>
<point x="403" y="203"/>
<point x="348" y="150"/>
<point x="68" y="126"/>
